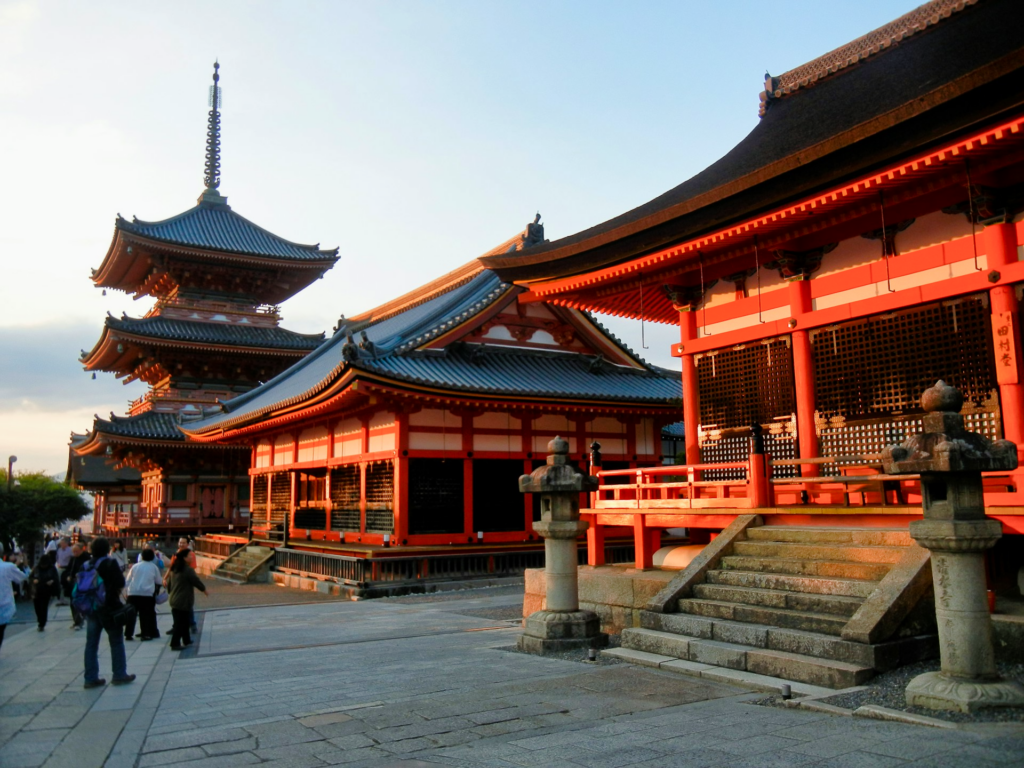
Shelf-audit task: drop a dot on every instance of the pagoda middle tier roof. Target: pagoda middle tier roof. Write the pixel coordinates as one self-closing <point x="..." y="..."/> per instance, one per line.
<point x="218" y="228"/>
<point x="109" y="354"/>
<point x="198" y="332"/>
<point x="393" y="353"/>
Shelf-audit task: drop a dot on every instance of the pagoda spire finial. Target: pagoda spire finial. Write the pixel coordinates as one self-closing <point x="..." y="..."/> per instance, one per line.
<point x="211" y="195"/>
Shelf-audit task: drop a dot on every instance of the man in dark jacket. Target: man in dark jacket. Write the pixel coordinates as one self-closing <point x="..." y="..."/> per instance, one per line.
<point x="80" y="556"/>
<point x="100" y="620"/>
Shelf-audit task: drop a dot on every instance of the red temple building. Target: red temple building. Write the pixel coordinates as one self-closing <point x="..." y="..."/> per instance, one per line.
<point x="862" y="242"/>
<point x="411" y="426"/>
<point x="213" y="333"/>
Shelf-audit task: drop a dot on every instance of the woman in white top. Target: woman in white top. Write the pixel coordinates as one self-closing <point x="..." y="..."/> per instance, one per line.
<point x="143" y="583"/>
<point x="9" y="574"/>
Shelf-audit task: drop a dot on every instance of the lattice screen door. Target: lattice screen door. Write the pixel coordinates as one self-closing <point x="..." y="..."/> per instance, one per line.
<point x="870" y="373"/>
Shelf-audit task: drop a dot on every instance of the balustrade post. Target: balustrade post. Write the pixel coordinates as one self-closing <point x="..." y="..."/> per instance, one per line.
<point x="757" y="470"/>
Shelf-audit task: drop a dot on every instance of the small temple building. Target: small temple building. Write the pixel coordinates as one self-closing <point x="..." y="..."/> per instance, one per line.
<point x="409" y="425"/>
<point x="213" y="333"/>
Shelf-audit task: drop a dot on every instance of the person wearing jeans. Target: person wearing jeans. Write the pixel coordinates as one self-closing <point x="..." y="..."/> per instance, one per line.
<point x="99" y="620"/>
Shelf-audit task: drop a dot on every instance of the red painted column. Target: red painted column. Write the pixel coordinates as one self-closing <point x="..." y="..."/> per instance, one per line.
<point x="1000" y="245"/>
<point x="803" y="375"/>
<point x="467" y="499"/>
<point x="691" y="396"/>
<point x="401" y="507"/>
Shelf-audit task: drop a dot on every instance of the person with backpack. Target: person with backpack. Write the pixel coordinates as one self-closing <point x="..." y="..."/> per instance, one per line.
<point x="97" y="595"/>
<point x="180" y="581"/>
<point x="45" y="584"/>
<point x="81" y="557"/>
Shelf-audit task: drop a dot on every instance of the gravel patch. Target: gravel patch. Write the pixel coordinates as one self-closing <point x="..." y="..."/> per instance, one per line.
<point x="889" y="688"/>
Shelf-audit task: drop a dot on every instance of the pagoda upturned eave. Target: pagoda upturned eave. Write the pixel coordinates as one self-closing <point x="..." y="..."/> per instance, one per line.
<point x="139" y="256"/>
<point x="122" y="341"/>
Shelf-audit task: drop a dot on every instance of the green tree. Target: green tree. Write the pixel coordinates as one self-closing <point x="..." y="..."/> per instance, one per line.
<point x="34" y="503"/>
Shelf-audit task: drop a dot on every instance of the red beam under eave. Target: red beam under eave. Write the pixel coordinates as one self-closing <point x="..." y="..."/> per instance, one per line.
<point x="933" y="163"/>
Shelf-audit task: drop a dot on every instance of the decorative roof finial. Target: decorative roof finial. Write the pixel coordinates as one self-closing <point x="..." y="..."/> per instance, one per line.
<point x="212" y="172"/>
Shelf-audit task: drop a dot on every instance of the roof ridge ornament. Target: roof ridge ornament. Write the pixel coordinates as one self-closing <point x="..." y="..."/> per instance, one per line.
<point x="211" y="195"/>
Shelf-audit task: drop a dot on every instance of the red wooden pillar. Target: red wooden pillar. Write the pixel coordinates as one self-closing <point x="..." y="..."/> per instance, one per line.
<point x="1000" y="245"/>
<point x="691" y="396"/>
<point x="646" y="541"/>
<point x="362" y="496"/>
<point x="467" y="499"/>
<point x="803" y="374"/>
<point x="595" y="542"/>
<point x="401" y="503"/>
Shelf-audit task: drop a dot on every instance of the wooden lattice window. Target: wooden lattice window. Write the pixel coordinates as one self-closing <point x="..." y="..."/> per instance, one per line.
<point x="747" y="384"/>
<point x="280" y="497"/>
<point x="380" y="497"/>
<point x="260" y="494"/>
<point x="345" y="498"/>
<point x="879" y="366"/>
<point x="436" y="493"/>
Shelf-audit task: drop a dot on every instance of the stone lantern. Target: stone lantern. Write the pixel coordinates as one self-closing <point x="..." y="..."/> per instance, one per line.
<point x="561" y="625"/>
<point x="956" y="530"/>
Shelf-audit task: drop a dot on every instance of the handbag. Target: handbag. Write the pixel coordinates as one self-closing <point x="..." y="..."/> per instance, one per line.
<point x="160" y="595"/>
<point x="126" y="614"/>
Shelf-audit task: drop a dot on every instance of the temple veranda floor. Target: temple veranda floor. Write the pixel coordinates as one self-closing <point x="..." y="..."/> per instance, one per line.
<point x="413" y="682"/>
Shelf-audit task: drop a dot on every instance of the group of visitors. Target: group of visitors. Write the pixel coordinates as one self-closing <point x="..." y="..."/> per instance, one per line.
<point x="72" y="578"/>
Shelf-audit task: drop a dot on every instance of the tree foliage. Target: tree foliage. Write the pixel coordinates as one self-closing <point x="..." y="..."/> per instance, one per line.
<point x="36" y="502"/>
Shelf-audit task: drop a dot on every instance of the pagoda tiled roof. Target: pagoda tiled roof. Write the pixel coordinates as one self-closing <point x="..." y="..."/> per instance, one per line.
<point x="151" y="425"/>
<point x="945" y="68"/>
<point x="393" y="350"/>
<point x="207" y="332"/>
<point x="218" y="228"/>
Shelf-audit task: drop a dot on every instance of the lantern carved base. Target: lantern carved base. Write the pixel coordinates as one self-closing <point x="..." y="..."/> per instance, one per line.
<point x="557" y="631"/>
<point x="936" y="690"/>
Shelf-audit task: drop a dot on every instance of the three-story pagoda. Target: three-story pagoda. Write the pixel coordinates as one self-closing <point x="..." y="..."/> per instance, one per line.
<point x="213" y="332"/>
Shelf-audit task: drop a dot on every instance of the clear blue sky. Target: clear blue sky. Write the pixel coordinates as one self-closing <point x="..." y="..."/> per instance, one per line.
<point x="414" y="135"/>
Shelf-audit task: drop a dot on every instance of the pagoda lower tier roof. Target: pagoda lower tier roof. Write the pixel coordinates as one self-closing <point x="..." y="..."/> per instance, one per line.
<point x="233" y="334"/>
<point x="218" y="228"/>
<point x="88" y="472"/>
<point x="152" y="425"/>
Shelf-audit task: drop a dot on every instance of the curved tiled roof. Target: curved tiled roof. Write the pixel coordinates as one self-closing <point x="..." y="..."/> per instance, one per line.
<point x="953" y="75"/>
<point x="205" y="332"/>
<point x="530" y="373"/>
<point x="394" y="352"/>
<point x="218" y="228"/>
<point x="145" y="426"/>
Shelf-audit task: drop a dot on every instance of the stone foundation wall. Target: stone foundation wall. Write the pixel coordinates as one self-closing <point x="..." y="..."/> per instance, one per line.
<point x="1008" y="638"/>
<point x="615" y="594"/>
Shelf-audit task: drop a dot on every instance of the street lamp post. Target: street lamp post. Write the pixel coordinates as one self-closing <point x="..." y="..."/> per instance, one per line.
<point x="10" y="471"/>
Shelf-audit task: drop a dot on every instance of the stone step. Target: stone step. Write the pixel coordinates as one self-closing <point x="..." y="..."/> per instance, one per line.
<point x="658" y="646"/>
<point x="881" y="656"/>
<point x="775" y="617"/>
<point x="779" y="598"/>
<point x="845" y="570"/>
<point x="812" y="551"/>
<point x="891" y="537"/>
<point x="794" y="583"/>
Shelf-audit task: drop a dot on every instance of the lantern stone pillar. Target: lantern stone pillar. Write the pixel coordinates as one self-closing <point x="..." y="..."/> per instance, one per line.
<point x="561" y="625"/>
<point x="957" y="532"/>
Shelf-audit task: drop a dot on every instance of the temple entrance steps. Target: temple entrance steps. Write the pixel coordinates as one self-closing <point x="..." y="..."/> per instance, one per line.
<point x="824" y="606"/>
<point x="250" y="563"/>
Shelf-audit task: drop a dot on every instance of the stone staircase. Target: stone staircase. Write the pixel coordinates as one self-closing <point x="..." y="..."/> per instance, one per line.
<point x="250" y="563"/>
<point x="777" y="602"/>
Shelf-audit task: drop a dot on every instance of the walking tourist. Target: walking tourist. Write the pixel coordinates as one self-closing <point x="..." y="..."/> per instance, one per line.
<point x="80" y="558"/>
<point x="143" y="585"/>
<point x="102" y="618"/>
<point x="180" y="581"/>
<point x="185" y="546"/>
<point x="45" y="584"/>
<point x="9" y="574"/>
<point x="62" y="557"/>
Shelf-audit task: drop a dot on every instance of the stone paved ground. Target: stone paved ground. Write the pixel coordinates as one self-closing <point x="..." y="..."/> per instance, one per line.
<point x="417" y="683"/>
